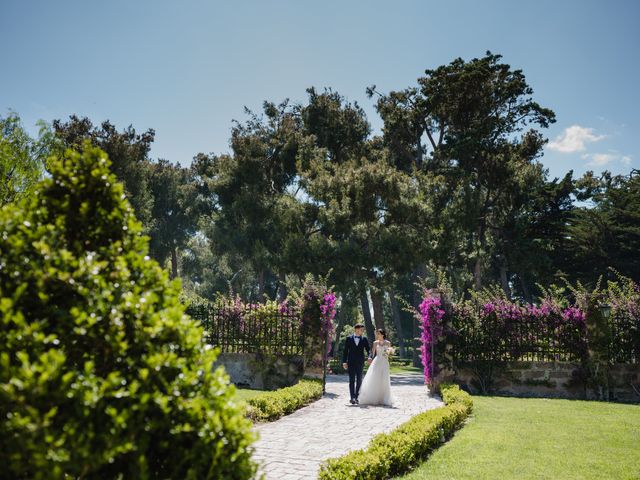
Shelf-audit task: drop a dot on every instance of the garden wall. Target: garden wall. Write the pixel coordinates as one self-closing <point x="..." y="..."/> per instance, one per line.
<point x="262" y="371"/>
<point x="553" y="379"/>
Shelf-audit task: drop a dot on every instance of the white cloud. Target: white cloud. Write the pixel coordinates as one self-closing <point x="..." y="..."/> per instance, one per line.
<point x="573" y="139"/>
<point x="602" y="159"/>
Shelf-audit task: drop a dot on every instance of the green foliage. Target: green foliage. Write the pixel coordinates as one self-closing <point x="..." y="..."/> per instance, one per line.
<point x="452" y="393"/>
<point x="128" y="152"/>
<point x="475" y="116"/>
<point x="102" y="374"/>
<point x="22" y="158"/>
<point x="189" y="298"/>
<point x="246" y="194"/>
<point x="339" y="127"/>
<point x="273" y="405"/>
<point x="174" y="210"/>
<point x="454" y="184"/>
<point x="395" y="453"/>
<point x="607" y="233"/>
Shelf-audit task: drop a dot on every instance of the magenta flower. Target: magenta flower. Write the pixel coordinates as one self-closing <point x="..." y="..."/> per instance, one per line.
<point x="431" y="315"/>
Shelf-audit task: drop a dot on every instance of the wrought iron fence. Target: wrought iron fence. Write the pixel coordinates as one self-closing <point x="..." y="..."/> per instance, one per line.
<point x="624" y="345"/>
<point x="531" y="340"/>
<point x="524" y="342"/>
<point x="250" y="328"/>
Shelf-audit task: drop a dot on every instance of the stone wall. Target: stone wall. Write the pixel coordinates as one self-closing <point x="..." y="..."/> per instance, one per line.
<point x="263" y="372"/>
<point x="551" y="379"/>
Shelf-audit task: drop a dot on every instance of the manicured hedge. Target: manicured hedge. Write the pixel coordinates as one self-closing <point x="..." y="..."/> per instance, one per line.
<point x="396" y="452"/>
<point x="102" y="375"/>
<point x="452" y="394"/>
<point x="273" y="405"/>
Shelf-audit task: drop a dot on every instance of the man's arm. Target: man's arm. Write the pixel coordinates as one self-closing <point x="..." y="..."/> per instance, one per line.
<point x="367" y="348"/>
<point x="345" y="351"/>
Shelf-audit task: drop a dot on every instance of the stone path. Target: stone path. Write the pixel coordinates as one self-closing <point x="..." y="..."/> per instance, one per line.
<point x="293" y="447"/>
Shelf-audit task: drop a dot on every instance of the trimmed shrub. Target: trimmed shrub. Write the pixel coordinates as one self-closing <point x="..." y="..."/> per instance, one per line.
<point x="396" y="452"/>
<point x="452" y="394"/>
<point x="102" y="375"/>
<point x="273" y="405"/>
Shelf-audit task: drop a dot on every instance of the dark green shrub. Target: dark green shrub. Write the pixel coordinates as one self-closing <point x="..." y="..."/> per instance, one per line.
<point x="273" y="405"/>
<point x="395" y="453"/>
<point x="102" y="375"/>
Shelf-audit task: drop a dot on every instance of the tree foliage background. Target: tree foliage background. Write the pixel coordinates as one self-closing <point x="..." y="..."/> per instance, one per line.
<point x="452" y="186"/>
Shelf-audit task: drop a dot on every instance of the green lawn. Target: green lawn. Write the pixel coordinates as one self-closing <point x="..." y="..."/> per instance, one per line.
<point x="405" y="369"/>
<point x="246" y="393"/>
<point x="508" y="438"/>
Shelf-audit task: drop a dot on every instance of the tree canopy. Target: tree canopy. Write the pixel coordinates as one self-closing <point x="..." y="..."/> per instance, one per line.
<point x="452" y="186"/>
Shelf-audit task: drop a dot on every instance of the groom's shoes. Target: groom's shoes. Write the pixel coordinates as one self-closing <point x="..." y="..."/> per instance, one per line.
<point x="353" y="401"/>
<point x="357" y="402"/>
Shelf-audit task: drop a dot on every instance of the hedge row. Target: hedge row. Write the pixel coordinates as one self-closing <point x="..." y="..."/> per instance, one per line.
<point x="396" y="452"/>
<point x="273" y="405"/>
<point x="452" y="394"/>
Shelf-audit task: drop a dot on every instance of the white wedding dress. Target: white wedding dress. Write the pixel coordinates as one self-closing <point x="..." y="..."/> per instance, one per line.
<point x="376" y="386"/>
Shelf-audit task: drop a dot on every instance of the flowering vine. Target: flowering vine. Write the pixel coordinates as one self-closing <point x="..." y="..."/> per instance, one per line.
<point x="430" y="315"/>
<point x="328" y="311"/>
<point x="517" y="327"/>
<point x="317" y="305"/>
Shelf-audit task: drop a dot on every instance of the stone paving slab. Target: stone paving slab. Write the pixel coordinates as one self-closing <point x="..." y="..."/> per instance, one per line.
<point x="293" y="447"/>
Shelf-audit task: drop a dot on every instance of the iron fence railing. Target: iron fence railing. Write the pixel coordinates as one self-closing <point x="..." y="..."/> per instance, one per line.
<point x="250" y="328"/>
<point x="530" y="340"/>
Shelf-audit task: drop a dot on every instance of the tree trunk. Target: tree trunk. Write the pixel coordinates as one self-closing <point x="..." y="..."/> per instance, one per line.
<point x="261" y="286"/>
<point x="503" y="277"/>
<point x="346" y="306"/>
<point x="419" y="273"/>
<point x="174" y="263"/>
<point x="282" y="289"/>
<point x="366" y="313"/>
<point x="397" y="321"/>
<point x="525" y="288"/>
<point x="376" y="302"/>
<point x="419" y="151"/>
<point x="477" y="273"/>
<point x="477" y="270"/>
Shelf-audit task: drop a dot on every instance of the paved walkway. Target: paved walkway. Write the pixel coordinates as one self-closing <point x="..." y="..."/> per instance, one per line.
<point x="293" y="447"/>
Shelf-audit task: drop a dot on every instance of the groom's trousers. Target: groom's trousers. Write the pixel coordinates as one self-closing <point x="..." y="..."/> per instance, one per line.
<point x="355" y="378"/>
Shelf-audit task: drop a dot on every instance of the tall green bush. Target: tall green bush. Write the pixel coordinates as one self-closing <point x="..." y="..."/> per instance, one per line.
<point x="102" y="375"/>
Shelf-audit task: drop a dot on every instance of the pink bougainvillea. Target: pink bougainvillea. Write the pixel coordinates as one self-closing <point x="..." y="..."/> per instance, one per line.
<point x="328" y="311"/>
<point x="318" y="305"/>
<point x="431" y="315"/>
<point x="510" y="329"/>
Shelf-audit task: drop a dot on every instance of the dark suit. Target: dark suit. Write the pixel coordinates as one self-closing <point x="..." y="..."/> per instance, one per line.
<point x="353" y="356"/>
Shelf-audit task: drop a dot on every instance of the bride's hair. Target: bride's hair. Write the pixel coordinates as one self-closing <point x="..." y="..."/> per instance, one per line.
<point x="383" y="333"/>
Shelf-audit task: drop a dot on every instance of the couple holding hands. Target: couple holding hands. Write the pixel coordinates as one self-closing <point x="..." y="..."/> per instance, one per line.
<point x="375" y="388"/>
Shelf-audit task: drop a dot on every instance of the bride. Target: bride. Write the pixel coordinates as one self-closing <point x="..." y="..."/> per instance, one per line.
<point x="376" y="386"/>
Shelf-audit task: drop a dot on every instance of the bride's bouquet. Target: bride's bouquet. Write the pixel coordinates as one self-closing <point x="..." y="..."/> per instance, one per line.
<point x="387" y="352"/>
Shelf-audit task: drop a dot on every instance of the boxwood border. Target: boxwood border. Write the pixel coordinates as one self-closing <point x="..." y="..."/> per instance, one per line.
<point x="273" y="405"/>
<point x="402" y="449"/>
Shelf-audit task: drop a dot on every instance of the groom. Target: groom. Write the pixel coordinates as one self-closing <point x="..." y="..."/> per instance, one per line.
<point x="353" y="360"/>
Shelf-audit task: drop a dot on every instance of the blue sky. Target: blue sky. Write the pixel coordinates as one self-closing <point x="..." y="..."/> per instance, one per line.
<point x="187" y="68"/>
